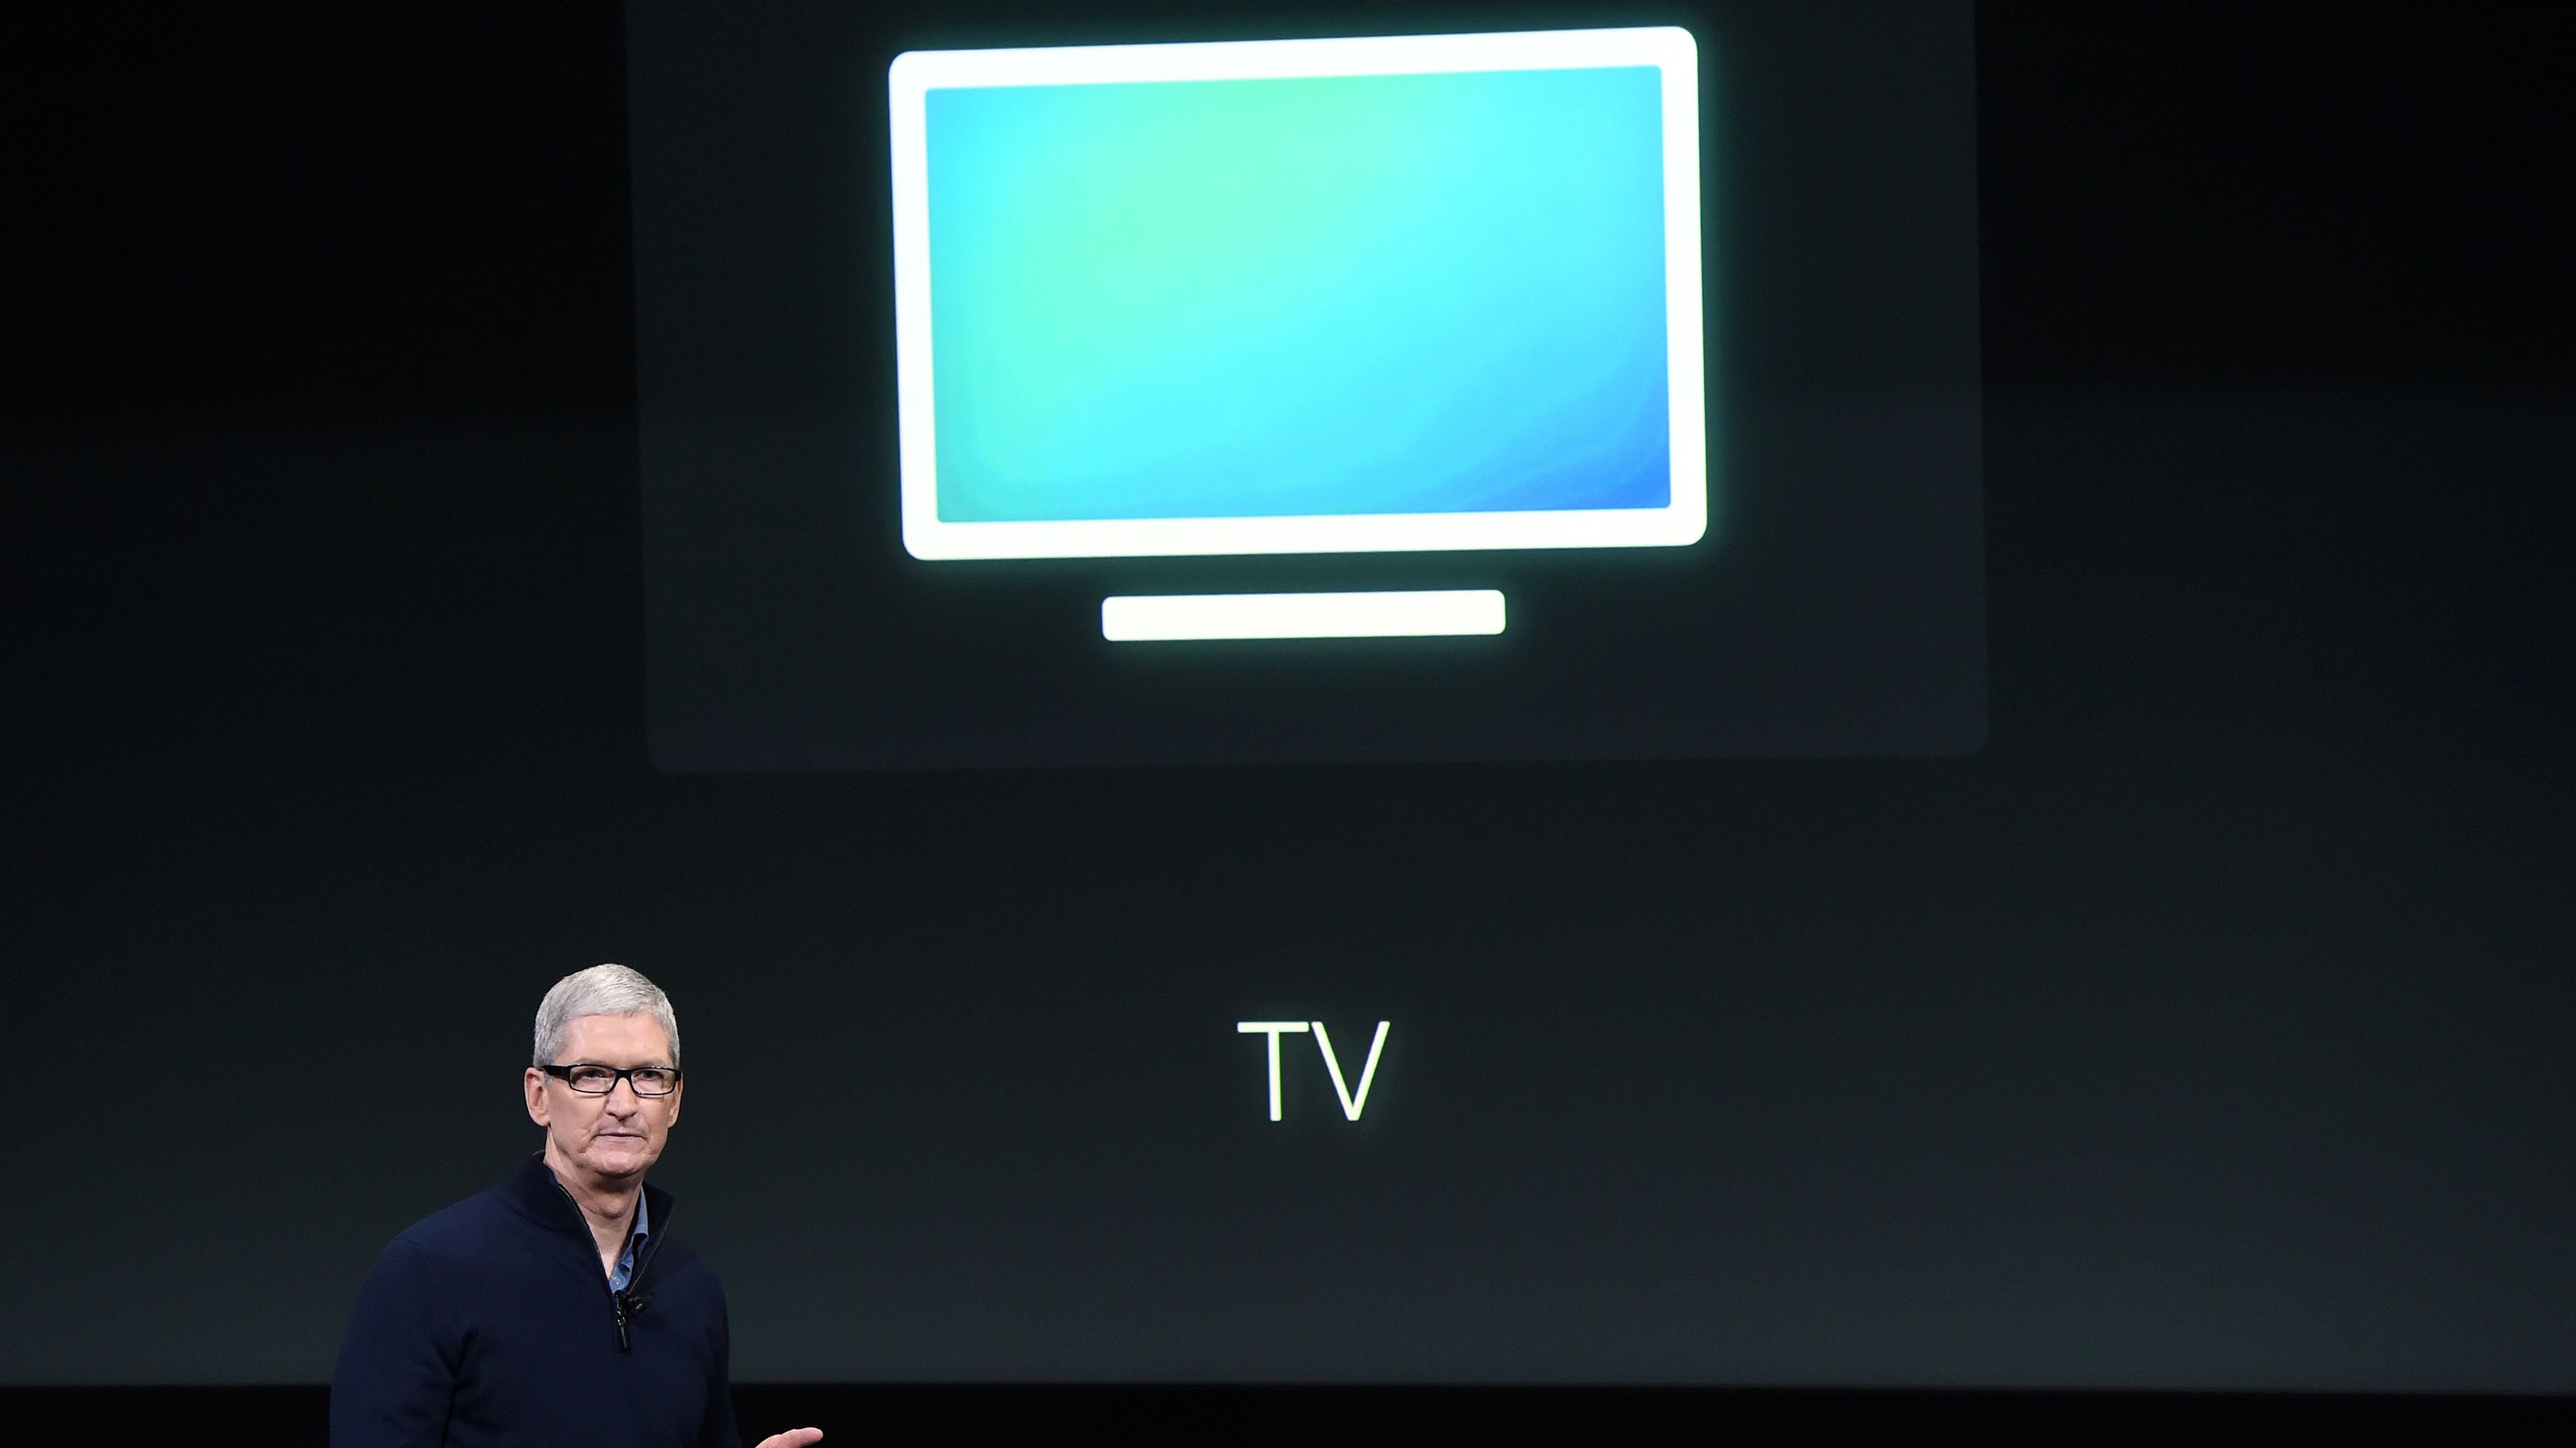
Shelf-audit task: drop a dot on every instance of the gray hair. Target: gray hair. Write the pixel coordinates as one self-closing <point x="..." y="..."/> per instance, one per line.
<point x="602" y="990"/>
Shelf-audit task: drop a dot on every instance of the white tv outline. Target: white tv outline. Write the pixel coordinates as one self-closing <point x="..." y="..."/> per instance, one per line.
<point x="1682" y="521"/>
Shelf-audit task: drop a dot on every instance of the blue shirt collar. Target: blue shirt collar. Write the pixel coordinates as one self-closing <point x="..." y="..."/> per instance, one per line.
<point x="625" y="1273"/>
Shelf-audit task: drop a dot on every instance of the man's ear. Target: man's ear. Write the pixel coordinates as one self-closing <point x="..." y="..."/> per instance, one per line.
<point x="535" y="1082"/>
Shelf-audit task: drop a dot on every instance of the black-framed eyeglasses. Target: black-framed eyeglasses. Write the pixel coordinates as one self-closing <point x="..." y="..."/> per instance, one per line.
<point x="600" y="1080"/>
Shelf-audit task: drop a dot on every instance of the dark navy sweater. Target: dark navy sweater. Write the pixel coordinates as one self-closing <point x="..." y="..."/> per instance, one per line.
<point x="491" y="1323"/>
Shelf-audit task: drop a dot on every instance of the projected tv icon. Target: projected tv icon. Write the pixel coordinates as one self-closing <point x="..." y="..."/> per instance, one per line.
<point x="1305" y="296"/>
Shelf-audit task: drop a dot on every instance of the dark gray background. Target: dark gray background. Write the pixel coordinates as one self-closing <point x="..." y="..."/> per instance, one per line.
<point x="2211" y="1026"/>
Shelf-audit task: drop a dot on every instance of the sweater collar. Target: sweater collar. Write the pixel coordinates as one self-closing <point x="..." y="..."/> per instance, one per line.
<point x="536" y="1195"/>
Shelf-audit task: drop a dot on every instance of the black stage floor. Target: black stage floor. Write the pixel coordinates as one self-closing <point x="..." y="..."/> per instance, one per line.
<point x="1349" y="1416"/>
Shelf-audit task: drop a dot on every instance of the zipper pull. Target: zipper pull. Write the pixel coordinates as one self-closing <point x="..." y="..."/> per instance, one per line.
<point x="618" y="1300"/>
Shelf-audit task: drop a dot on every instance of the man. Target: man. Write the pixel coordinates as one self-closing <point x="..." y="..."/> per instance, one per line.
<point x="554" y="1309"/>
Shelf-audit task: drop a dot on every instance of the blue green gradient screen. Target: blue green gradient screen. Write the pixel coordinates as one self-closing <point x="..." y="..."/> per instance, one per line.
<point x="1432" y="293"/>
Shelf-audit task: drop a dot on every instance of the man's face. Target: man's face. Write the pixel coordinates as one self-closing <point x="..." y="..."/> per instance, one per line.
<point x="618" y="1135"/>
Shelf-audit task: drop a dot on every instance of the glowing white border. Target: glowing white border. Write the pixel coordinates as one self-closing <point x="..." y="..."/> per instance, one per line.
<point x="1667" y="48"/>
